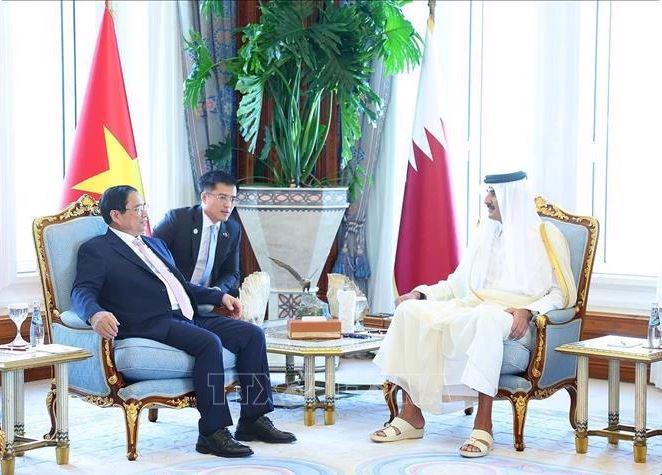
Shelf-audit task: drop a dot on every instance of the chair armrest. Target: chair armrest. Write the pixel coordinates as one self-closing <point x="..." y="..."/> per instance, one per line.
<point x="72" y="320"/>
<point x="557" y="317"/>
<point x="87" y="376"/>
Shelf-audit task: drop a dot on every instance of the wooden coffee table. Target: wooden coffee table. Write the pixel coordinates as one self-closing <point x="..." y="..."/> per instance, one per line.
<point x="277" y="342"/>
<point x="615" y="349"/>
<point x="12" y="365"/>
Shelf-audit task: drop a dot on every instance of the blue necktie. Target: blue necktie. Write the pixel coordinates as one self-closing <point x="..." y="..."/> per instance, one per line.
<point x="211" y="254"/>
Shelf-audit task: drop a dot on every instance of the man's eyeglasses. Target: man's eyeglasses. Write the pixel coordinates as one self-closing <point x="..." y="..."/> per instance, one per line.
<point x="490" y="191"/>
<point x="140" y="209"/>
<point x="223" y="198"/>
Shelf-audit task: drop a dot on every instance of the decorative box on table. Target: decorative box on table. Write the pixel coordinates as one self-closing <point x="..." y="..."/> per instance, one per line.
<point x="313" y="328"/>
<point x="381" y="320"/>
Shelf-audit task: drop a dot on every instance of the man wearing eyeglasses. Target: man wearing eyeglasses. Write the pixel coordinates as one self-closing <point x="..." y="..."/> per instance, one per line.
<point x="203" y="239"/>
<point x="127" y="285"/>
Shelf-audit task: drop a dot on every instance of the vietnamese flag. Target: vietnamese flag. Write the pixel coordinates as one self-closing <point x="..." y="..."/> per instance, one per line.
<point x="427" y="242"/>
<point x="104" y="152"/>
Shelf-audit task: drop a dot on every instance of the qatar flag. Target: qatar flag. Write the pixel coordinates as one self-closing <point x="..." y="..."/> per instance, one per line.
<point x="427" y="242"/>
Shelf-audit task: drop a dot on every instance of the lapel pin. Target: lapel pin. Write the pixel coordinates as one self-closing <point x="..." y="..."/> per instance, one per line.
<point x="195" y="230"/>
<point x="225" y="234"/>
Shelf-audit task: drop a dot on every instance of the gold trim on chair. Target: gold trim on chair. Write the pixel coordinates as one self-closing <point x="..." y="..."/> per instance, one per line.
<point x="537" y="363"/>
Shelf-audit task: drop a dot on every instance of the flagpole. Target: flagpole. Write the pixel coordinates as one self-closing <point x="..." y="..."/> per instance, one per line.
<point x="110" y="10"/>
<point x="431" y="6"/>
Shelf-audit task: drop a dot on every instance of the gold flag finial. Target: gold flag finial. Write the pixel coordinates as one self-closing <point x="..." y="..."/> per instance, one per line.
<point x="431" y="5"/>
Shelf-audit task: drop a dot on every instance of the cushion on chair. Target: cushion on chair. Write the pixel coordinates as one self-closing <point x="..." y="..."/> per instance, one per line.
<point x="140" y="359"/>
<point x="157" y="387"/>
<point x="514" y="384"/>
<point x="561" y="316"/>
<point x="61" y="242"/>
<point x="577" y="237"/>
<point x="515" y="357"/>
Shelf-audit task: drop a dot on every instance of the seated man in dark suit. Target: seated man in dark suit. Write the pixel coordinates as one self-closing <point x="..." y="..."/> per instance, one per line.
<point x="203" y="239"/>
<point x="127" y="285"/>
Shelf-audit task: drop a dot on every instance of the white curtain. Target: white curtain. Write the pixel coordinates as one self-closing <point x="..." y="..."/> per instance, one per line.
<point x="7" y="201"/>
<point x="385" y="201"/>
<point x="170" y="180"/>
<point x="151" y="62"/>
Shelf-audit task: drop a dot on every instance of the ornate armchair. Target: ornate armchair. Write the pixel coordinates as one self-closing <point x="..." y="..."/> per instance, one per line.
<point x="539" y="371"/>
<point x="134" y="373"/>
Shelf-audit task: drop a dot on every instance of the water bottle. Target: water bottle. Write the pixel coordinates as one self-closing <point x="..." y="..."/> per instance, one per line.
<point x="654" y="332"/>
<point x="36" y="327"/>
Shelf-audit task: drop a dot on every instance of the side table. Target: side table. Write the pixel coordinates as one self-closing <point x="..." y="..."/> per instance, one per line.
<point x="278" y="342"/>
<point x="12" y="366"/>
<point x="615" y="349"/>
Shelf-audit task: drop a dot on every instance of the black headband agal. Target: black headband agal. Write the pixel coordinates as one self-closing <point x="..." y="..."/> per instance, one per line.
<point x="504" y="177"/>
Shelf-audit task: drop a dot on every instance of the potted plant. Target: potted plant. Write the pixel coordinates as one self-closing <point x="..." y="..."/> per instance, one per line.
<point x="305" y="58"/>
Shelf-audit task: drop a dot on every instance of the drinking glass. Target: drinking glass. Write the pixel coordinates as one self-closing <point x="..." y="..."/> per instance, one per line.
<point x="18" y="312"/>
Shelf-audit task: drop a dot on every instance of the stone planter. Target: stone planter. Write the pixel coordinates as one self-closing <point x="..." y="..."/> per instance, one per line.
<point x="296" y="226"/>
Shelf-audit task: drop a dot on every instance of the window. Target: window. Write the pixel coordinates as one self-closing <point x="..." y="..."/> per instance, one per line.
<point x="557" y="89"/>
<point x="46" y="49"/>
<point x="49" y="62"/>
<point x="35" y="67"/>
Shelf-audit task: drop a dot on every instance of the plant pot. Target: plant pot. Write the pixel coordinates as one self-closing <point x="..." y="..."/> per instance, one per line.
<point x="296" y="226"/>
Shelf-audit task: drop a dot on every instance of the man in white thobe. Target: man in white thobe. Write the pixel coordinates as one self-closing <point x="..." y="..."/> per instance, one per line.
<point x="445" y="342"/>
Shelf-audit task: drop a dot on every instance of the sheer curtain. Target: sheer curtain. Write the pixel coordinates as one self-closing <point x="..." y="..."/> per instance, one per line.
<point x="213" y="120"/>
<point x="385" y="201"/>
<point x="169" y="182"/>
<point x="7" y="201"/>
<point x="149" y="41"/>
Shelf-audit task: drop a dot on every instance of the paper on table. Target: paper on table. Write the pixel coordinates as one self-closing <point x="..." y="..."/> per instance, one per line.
<point x="56" y="349"/>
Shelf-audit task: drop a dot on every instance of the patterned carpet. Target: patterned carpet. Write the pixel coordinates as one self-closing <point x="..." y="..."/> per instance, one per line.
<point x="167" y="446"/>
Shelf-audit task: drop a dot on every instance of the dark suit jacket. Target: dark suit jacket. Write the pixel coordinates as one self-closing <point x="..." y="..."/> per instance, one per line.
<point x="177" y="231"/>
<point x="111" y="277"/>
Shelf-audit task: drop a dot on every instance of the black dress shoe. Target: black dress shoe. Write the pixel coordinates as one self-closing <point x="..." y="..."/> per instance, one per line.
<point x="262" y="429"/>
<point x="221" y="444"/>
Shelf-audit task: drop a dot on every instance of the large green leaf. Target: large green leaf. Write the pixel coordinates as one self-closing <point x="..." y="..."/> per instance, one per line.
<point x="250" y="108"/>
<point x="203" y="65"/>
<point x="209" y="7"/>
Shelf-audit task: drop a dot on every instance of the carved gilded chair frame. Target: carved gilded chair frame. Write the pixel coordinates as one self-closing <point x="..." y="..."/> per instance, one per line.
<point x="86" y="206"/>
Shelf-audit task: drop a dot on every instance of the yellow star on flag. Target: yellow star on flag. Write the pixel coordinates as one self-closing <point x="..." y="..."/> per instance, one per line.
<point x="122" y="169"/>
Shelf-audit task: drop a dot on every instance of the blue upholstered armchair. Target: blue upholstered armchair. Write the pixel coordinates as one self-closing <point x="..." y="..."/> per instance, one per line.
<point x="134" y="373"/>
<point x="537" y="372"/>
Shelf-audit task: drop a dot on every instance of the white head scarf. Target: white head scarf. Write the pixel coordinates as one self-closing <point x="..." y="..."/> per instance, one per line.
<point x="527" y="270"/>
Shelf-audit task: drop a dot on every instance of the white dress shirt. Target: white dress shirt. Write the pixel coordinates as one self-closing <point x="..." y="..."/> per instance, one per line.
<point x="128" y="240"/>
<point x="208" y="227"/>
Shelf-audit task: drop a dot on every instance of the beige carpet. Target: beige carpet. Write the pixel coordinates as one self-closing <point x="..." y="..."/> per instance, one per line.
<point x="167" y="447"/>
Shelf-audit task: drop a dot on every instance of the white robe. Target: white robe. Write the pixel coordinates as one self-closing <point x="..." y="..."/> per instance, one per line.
<point x="450" y="346"/>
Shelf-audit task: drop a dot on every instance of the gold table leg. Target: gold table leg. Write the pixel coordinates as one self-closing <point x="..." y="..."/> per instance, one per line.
<point x="309" y="390"/>
<point x="330" y="391"/>
<point x="581" y="432"/>
<point x="640" y="376"/>
<point x="8" y="466"/>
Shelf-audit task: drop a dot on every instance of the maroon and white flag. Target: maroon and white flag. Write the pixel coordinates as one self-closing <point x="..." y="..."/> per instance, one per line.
<point x="427" y="242"/>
